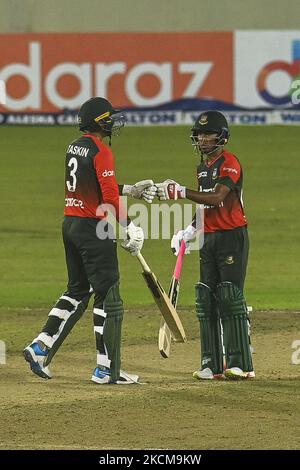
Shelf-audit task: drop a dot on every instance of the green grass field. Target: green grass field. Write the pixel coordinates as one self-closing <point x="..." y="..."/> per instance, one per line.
<point x="175" y="411"/>
<point x="32" y="172"/>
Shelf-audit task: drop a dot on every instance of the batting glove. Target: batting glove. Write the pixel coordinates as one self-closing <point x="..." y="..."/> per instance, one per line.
<point x="169" y="189"/>
<point x="134" y="239"/>
<point x="188" y="234"/>
<point x="145" y="190"/>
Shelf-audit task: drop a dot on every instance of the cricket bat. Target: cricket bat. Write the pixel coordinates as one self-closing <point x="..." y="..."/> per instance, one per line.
<point x="163" y="302"/>
<point x="164" y="335"/>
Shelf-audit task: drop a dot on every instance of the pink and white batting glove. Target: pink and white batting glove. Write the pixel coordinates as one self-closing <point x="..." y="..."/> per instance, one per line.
<point x="187" y="235"/>
<point x="169" y="189"/>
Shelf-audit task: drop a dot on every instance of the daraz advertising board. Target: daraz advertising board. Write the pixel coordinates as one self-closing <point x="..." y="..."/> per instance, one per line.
<point x="158" y="78"/>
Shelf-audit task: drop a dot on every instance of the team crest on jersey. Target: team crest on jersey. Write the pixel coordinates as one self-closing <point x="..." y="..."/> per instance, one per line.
<point x="229" y="260"/>
<point x="215" y="173"/>
<point x="203" y="120"/>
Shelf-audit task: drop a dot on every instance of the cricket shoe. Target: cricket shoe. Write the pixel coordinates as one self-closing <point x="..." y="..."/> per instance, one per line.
<point x="207" y="374"/>
<point x="36" y="356"/>
<point x="235" y="373"/>
<point x="101" y="375"/>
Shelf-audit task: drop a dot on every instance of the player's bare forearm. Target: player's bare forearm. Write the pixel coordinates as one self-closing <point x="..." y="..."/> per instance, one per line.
<point x="213" y="198"/>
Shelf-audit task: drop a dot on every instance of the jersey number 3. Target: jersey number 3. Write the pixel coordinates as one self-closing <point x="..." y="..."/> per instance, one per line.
<point x="73" y="164"/>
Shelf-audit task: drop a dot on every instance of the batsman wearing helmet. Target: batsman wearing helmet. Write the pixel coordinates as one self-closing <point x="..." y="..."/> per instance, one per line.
<point x="220" y="304"/>
<point x="90" y="246"/>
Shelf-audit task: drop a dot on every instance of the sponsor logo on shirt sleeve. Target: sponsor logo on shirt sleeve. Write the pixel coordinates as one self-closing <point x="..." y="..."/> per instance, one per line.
<point x="230" y="170"/>
<point x="108" y="173"/>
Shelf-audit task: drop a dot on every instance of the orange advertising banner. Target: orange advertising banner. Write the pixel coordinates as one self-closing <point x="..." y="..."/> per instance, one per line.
<point x="53" y="72"/>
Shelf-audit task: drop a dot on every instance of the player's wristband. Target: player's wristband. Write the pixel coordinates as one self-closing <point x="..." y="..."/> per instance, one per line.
<point x="181" y="192"/>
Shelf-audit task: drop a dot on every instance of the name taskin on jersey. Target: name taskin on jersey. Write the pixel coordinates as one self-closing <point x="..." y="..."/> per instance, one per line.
<point x="75" y="150"/>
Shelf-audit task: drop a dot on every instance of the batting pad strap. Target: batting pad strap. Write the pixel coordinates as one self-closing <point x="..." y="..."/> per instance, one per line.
<point x="231" y="301"/>
<point x="57" y="312"/>
<point x="102" y="360"/>
<point x="46" y="339"/>
<point x="69" y="299"/>
<point x="204" y="300"/>
<point x="98" y="329"/>
<point x="99" y="311"/>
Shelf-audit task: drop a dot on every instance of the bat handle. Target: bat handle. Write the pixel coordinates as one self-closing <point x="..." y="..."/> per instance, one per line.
<point x="182" y="249"/>
<point x="178" y="266"/>
<point x="143" y="263"/>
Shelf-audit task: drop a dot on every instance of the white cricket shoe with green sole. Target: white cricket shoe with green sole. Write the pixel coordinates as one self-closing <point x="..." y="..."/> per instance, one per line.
<point x="207" y="374"/>
<point x="235" y="373"/>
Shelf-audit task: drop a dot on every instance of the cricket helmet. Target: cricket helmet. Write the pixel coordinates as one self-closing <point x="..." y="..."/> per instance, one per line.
<point x="97" y="114"/>
<point x="210" y="122"/>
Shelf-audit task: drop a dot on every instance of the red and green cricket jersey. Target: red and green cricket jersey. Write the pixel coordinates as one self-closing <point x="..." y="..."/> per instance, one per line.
<point x="90" y="181"/>
<point x="224" y="169"/>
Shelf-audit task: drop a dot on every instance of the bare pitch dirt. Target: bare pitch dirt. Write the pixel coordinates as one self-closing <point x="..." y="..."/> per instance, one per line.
<point x="169" y="411"/>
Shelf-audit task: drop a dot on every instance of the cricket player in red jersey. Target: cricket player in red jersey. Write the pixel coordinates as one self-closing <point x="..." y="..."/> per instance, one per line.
<point x="220" y="303"/>
<point x="90" y="246"/>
